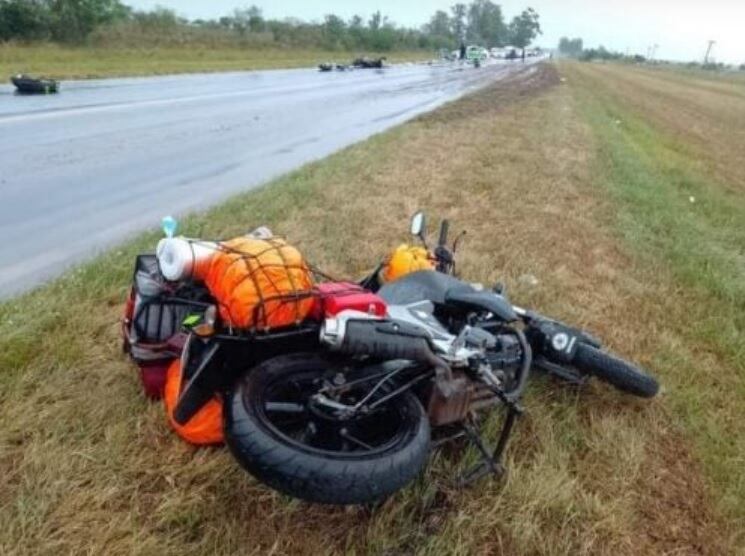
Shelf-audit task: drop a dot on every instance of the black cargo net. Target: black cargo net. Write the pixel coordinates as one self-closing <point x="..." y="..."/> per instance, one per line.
<point x="279" y="286"/>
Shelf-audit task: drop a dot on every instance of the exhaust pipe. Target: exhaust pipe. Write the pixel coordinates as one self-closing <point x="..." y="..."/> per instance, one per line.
<point x="355" y="333"/>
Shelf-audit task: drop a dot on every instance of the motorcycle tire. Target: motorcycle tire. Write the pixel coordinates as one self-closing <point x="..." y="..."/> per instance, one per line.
<point x="309" y="473"/>
<point x="615" y="371"/>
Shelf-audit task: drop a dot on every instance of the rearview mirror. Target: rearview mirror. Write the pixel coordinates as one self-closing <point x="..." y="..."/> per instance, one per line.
<point x="418" y="223"/>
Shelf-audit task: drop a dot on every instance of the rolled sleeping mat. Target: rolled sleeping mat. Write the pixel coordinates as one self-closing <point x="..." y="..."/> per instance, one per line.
<point x="183" y="259"/>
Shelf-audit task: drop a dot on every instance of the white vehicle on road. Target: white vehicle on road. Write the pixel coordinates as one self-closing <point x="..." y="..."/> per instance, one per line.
<point x="479" y="53"/>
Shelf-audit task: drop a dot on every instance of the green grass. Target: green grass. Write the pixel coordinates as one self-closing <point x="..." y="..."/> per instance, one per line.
<point x="89" y="62"/>
<point x="688" y="224"/>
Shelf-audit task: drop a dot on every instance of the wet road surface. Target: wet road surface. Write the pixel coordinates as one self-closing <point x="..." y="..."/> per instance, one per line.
<point x="84" y="169"/>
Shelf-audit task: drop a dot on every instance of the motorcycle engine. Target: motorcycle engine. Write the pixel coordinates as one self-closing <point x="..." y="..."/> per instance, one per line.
<point x="501" y="351"/>
<point x="506" y="354"/>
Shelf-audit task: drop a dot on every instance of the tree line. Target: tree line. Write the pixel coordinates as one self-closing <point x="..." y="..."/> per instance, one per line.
<point x="575" y="48"/>
<point x="481" y="22"/>
<point x="60" y="20"/>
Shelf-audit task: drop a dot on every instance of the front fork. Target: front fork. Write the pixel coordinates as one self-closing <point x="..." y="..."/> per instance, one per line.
<point x="555" y="345"/>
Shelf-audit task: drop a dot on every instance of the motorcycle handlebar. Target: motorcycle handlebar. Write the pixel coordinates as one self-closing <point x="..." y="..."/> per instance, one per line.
<point x="444" y="228"/>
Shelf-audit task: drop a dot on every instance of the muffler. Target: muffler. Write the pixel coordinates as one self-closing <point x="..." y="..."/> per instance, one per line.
<point x="355" y="333"/>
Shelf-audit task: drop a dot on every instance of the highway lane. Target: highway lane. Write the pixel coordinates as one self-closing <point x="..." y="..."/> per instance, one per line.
<point x="84" y="169"/>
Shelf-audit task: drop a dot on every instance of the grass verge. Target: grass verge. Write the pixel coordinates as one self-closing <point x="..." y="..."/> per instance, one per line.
<point x="90" y="466"/>
<point x="89" y="62"/>
<point x="684" y="217"/>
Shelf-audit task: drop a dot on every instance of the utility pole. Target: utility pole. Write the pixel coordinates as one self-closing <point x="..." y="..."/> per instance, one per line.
<point x="654" y="52"/>
<point x="708" y="51"/>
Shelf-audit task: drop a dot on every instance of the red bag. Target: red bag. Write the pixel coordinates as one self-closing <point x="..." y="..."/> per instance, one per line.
<point x="153" y="376"/>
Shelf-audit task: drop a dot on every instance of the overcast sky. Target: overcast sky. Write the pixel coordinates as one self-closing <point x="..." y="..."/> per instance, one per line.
<point x="681" y="28"/>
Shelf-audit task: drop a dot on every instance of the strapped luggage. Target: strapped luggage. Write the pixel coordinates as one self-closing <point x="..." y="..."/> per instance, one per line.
<point x="260" y="284"/>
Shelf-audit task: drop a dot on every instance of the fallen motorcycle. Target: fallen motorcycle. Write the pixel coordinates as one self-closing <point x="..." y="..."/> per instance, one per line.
<point x="345" y="406"/>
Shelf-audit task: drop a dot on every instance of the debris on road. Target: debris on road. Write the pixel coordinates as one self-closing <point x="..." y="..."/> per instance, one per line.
<point x="368" y="63"/>
<point x="330" y="67"/>
<point x="32" y="85"/>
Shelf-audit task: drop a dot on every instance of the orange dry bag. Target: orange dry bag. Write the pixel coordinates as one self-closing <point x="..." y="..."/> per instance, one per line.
<point x="260" y="283"/>
<point x="206" y="426"/>
<point x="405" y="260"/>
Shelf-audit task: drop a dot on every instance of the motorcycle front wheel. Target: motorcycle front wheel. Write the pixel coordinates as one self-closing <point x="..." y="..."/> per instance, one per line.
<point x="276" y="429"/>
<point x="615" y="371"/>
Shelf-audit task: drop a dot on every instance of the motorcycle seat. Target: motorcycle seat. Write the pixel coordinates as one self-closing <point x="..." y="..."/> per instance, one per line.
<point x="481" y="301"/>
<point x="445" y="291"/>
<point x="424" y="285"/>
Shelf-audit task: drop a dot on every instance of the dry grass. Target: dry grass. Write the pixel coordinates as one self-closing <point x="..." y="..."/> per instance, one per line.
<point x="90" y="467"/>
<point x="88" y="62"/>
<point x="704" y="117"/>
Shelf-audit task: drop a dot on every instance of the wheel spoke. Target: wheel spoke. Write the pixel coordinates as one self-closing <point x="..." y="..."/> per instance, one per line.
<point x="344" y="433"/>
<point x="308" y="434"/>
<point x="289" y="406"/>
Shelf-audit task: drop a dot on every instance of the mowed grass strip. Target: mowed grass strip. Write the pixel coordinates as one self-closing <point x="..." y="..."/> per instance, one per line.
<point x="88" y="62"/>
<point x="681" y="205"/>
<point x="90" y="466"/>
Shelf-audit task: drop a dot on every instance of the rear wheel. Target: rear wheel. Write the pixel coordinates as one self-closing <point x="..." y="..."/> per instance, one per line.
<point x="279" y="432"/>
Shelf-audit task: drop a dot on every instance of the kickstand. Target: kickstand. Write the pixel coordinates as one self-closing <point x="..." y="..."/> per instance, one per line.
<point x="490" y="462"/>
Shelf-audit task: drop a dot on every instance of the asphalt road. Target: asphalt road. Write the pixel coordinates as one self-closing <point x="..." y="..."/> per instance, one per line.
<point x="84" y="169"/>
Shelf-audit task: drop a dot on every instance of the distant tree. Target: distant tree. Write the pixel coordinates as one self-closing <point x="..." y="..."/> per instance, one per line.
<point x="713" y="66"/>
<point x="458" y="21"/>
<point x="742" y="67"/>
<point x="438" y="32"/>
<point x="334" y="31"/>
<point x="24" y="19"/>
<point x="73" y="20"/>
<point x="524" y="28"/>
<point x="356" y="22"/>
<point x="571" y="47"/>
<point x="600" y="53"/>
<point x="256" y="21"/>
<point x="356" y="32"/>
<point x="248" y="20"/>
<point x="486" y="24"/>
<point x="376" y="21"/>
<point x="158" y="19"/>
<point x="439" y="24"/>
<point x="381" y="35"/>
